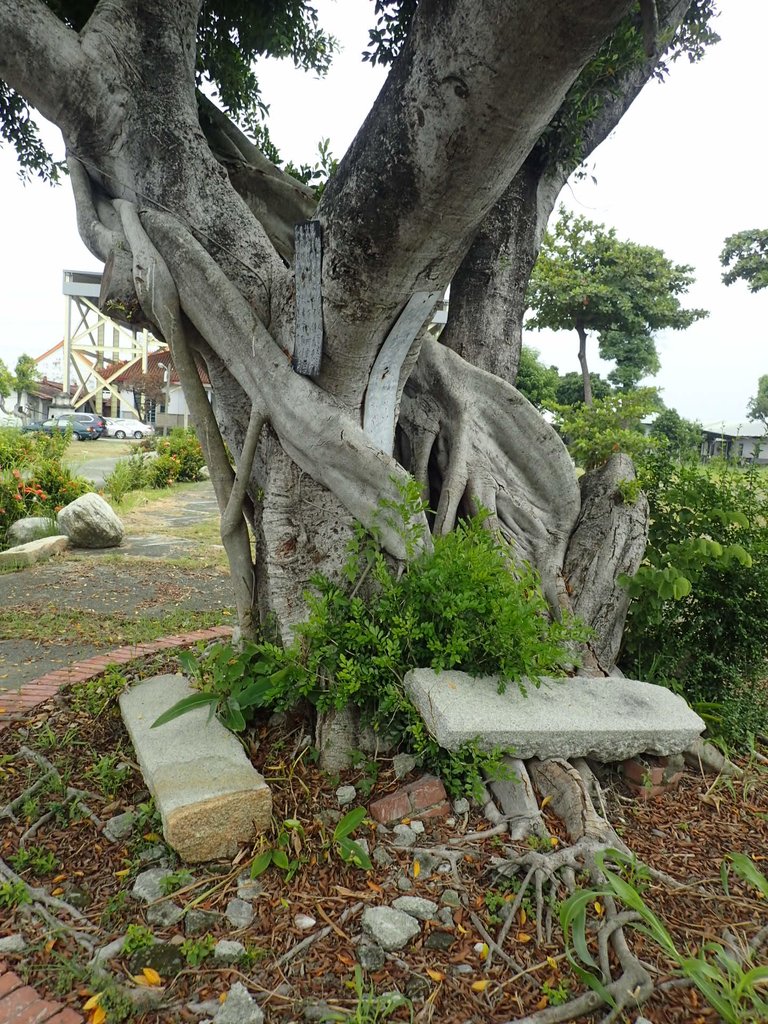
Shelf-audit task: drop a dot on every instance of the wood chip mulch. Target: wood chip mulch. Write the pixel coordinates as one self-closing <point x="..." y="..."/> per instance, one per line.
<point x="685" y="833"/>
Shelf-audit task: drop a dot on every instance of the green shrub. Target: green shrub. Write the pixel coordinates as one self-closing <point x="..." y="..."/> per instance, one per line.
<point x="59" y="484"/>
<point x="698" y="621"/>
<point x="129" y="474"/>
<point x="180" y="456"/>
<point x="19" y="451"/>
<point x="612" y="424"/>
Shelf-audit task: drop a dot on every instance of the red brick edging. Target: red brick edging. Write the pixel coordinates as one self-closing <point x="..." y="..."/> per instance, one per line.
<point x="16" y="703"/>
<point x="20" y="1004"/>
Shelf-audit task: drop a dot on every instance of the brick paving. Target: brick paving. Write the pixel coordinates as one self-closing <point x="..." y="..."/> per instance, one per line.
<point x="14" y="704"/>
<point x="20" y="1004"/>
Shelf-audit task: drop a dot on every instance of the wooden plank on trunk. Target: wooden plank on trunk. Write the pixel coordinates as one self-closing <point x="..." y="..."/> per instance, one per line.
<point x="384" y="383"/>
<point x="308" y="342"/>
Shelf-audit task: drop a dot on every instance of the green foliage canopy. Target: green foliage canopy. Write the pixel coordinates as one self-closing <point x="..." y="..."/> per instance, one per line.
<point x="757" y="409"/>
<point x="535" y="380"/>
<point x="588" y="280"/>
<point x="683" y="436"/>
<point x="746" y="256"/>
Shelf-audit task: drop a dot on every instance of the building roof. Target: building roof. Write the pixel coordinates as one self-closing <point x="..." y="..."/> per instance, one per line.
<point x="155" y="371"/>
<point x="723" y="429"/>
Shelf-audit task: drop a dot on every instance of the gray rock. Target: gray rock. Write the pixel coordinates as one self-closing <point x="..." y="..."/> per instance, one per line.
<point x="370" y="956"/>
<point x="389" y="928"/>
<point x="14" y="943"/>
<point x="381" y="857"/>
<point x="144" y="999"/>
<point x="317" y="1011"/>
<point x="249" y="888"/>
<point x="146" y="886"/>
<point x="329" y="816"/>
<point x="208" y="1006"/>
<point x="227" y="951"/>
<point x="609" y="719"/>
<point x="77" y="897"/>
<point x="417" y="827"/>
<point x="31" y="528"/>
<point x="33" y="551"/>
<point x="428" y="863"/>
<point x="346" y="795"/>
<point x="404" y="837"/>
<point x="417" y="987"/>
<point x="239" y="1008"/>
<point x="403" y="764"/>
<point x="450" y="898"/>
<point x="197" y="922"/>
<point x="239" y="913"/>
<point x="403" y="883"/>
<point x="164" y="915"/>
<point x="441" y="941"/>
<point x="461" y="806"/>
<point x="445" y="916"/>
<point x="416" y="906"/>
<point x="120" y="826"/>
<point x="166" y="958"/>
<point x="155" y="854"/>
<point x="90" y="522"/>
<point x="108" y="952"/>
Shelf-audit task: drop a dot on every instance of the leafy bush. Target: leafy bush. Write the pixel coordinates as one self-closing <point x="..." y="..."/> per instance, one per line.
<point x="129" y="474"/>
<point x="612" y="424"/>
<point x="463" y="606"/>
<point x="18" y="450"/>
<point x="179" y="459"/>
<point x="699" y="618"/>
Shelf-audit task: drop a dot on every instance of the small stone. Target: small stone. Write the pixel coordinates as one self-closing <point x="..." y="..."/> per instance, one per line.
<point x="120" y="826"/>
<point x="427" y="863"/>
<point x="226" y="951"/>
<point x="146" y="886"/>
<point x="197" y="922"/>
<point x="416" y="906"/>
<point x="329" y="816"/>
<point x="417" y="827"/>
<point x="370" y="956"/>
<point x="444" y="868"/>
<point x="346" y="795"/>
<point x="363" y="844"/>
<point x="239" y="1008"/>
<point x="239" y="913"/>
<point x="445" y="916"/>
<point x="166" y="959"/>
<point x="206" y="1008"/>
<point x="440" y="941"/>
<point x="461" y="806"/>
<point x="390" y="928"/>
<point x="450" y="898"/>
<point x="317" y="1011"/>
<point x="403" y="883"/>
<point x="417" y="987"/>
<point x="155" y="854"/>
<point x="248" y="888"/>
<point x="79" y="898"/>
<point x="14" y="943"/>
<point x="450" y="822"/>
<point x="164" y="915"/>
<point x="461" y="969"/>
<point x="304" y="922"/>
<point x="381" y="857"/>
<point x="144" y="999"/>
<point x="403" y="764"/>
<point x="404" y="837"/>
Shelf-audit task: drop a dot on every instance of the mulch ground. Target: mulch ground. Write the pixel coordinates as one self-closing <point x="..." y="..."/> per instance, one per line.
<point x="685" y="833"/>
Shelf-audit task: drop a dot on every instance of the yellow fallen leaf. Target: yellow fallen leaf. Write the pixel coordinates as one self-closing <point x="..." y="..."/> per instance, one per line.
<point x="152" y="837"/>
<point x="552" y="962"/>
<point x="483" y="951"/>
<point x="480" y="986"/>
<point x="523" y="937"/>
<point x="152" y="976"/>
<point x="416" y="869"/>
<point x="547" y="800"/>
<point x="98" y="1016"/>
<point x="140" y="980"/>
<point x="461" y="929"/>
<point x="57" y="891"/>
<point x="554" y="840"/>
<point x="543" y="1003"/>
<point x="435" y="975"/>
<point x="59" y="878"/>
<point x="49" y="945"/>
<point x="123" y="874"/>
<point x="223" y="997"/>
<point x="598" y="908"/>
<point x="93" y="1002"/>
<point x="522" y="917"/>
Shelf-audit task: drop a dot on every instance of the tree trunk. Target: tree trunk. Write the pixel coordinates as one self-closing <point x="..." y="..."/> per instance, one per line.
<point x="583" y="364"/>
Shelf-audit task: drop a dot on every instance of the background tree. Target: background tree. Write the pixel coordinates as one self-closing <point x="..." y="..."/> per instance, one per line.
<point x="535" y="380"/>
<point x="757" y="409"/>
<point x="570" y="388"/>
<point x="587" y="280"/>
<point x="684" y="436"/>
<point x="746" y="257"/>
<point x="25" y="376"/>
<point x="6" y="385"/>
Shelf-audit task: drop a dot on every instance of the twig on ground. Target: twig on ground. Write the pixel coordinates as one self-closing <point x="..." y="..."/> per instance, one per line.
<point x="310" y="939"/>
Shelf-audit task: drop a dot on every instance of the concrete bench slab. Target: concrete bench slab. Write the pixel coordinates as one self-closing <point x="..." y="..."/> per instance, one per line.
<point x="210" y="797"/>
<point x="608" y="719"/>
<point x="34" y="551"/>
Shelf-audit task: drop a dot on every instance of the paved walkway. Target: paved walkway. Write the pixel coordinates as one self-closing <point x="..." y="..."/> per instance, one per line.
<point x="20" y="1004"/>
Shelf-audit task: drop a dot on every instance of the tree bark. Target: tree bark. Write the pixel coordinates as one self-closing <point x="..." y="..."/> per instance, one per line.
<point x="583" y="363"/>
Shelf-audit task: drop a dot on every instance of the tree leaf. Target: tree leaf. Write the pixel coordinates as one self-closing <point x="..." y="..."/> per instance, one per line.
<point x="181" y="707"/>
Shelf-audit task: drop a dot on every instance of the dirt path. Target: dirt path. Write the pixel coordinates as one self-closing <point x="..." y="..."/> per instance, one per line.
<point x="82" y="603"/>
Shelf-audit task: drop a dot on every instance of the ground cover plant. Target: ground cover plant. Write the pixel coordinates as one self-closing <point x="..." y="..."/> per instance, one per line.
<point x="487" y="955"/>
<point x="177" y="458"/>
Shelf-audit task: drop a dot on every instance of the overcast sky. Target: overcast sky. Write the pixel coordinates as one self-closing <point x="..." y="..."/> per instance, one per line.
<point x="685" y="168"/>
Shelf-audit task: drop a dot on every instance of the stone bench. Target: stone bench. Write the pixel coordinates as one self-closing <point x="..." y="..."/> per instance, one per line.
<point x="210" y="797"/>
<point x="609" y="719"/>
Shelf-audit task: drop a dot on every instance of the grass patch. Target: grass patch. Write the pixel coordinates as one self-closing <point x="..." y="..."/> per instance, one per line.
<point x="80" y="452"/>
<point x="65" y="625"/>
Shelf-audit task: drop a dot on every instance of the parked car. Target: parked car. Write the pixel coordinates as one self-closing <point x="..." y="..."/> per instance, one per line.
<point x="92" y="419"/>
<point x="80" y="431"/>
<point x="35" y="427"/>
<point x="125" y="426"/>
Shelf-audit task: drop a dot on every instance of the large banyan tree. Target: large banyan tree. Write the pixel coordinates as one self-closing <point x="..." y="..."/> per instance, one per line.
<point x="488" y="107"/>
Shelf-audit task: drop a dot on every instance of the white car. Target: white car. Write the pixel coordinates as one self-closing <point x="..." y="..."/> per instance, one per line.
<point x="125" y="426"/>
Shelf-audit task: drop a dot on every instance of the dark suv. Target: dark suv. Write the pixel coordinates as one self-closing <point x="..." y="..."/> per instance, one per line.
<point x="89" y="423"/>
